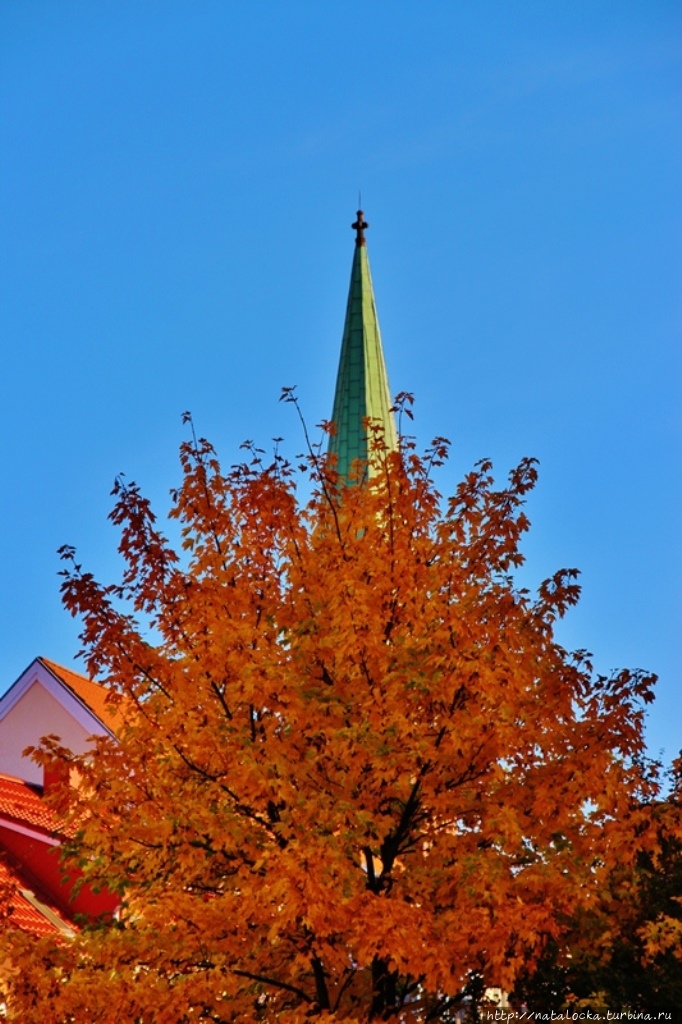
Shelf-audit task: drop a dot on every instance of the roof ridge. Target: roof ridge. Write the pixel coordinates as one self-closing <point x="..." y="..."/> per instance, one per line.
<point x="52" y="665"/>
<point x="24" y="782"/>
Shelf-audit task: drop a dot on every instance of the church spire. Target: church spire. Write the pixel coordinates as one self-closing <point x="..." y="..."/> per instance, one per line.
<point x="362" y="382"/>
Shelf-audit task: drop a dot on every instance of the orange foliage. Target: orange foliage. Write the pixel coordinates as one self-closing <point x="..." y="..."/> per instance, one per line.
<point x="359" y="772"/>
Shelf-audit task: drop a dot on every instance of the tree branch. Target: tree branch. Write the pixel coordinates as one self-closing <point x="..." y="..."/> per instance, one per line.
<point x="275" y="982"/>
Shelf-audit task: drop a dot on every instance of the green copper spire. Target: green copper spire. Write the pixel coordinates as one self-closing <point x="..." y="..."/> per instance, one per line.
<point x="362" y="383"/>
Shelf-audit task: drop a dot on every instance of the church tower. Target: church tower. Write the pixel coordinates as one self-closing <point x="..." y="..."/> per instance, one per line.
<point x="362" y="389"/>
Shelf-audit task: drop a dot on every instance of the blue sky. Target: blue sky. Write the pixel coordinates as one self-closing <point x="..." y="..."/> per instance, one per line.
<point x="177" y="181"/>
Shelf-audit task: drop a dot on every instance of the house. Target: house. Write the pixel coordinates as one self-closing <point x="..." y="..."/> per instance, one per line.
<point x="45" y="700"/>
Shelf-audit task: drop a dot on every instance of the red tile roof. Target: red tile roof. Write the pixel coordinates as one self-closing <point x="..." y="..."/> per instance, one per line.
<point x="20" y="803"/>
<point x="27" y="912"/>
<point x="93" y="695"/>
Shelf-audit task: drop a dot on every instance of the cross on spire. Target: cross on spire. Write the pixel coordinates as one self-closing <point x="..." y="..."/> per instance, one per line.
<point x="359" y="229"/>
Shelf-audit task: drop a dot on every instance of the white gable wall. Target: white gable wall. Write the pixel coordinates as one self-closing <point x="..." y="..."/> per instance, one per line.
<point x="39" y="705"/>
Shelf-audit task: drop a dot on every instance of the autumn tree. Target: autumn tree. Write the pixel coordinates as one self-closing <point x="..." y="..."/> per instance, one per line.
<point x="357" y="771"/>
